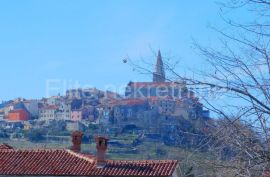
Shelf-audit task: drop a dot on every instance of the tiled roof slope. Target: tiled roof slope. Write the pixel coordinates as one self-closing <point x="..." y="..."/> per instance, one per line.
<point x="69" y="163"/>
<point x="5" y="146"/>
<point x="152" y="84"/>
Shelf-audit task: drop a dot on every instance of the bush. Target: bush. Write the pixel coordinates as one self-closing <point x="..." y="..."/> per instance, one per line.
<point x="36" y="135"/>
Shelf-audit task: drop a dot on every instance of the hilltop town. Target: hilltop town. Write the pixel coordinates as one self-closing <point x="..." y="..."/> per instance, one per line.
<point x="159" y="110"/>
<point x="72" y="104"/>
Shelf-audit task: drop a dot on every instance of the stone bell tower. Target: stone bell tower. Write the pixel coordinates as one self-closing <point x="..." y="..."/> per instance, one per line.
<point x="159" y="74"/>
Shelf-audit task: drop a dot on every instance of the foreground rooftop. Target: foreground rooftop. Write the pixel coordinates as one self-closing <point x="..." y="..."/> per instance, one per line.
<point x="66" y="162"/>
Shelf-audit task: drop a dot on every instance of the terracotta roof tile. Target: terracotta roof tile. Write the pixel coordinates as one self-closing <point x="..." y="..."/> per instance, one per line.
<point x="153" y="84"/>
<point x="48" y="107"/>
<point x="66" y="162"/>
<point x="5" y="146"/>
<point x="131" y="101"/>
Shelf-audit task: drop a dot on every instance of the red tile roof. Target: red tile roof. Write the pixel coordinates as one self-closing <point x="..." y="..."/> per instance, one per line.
<point x="48" y="107"/>
<point x="155" y="98"/>
<point x="69" y="163"/>
<point x="131" y="101"/>
<point x="5" y="146"/>
<point x="153" y="84"/>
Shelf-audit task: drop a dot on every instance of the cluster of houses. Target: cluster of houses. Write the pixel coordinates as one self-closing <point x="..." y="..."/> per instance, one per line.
<point x="77" y="105"/>
<point x="142" y="100"/>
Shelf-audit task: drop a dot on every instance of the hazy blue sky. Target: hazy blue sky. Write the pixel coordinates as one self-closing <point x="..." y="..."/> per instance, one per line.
<point x="85" y="41"/>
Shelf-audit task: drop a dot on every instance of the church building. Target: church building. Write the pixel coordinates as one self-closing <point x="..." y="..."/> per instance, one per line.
<point x="159" y="87"/>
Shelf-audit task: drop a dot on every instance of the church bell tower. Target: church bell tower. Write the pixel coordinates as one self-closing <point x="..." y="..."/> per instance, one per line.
<point x="159" y="74"/>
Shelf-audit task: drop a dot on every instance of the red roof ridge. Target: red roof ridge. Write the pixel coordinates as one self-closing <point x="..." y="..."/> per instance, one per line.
<point x="49" y="107"/>
<point x="33" y="150"/>
<point x="87" y="157"/>
<point x="5" y="146"/>
<point x="81" y="156"/>
<point x="143" y="161"/>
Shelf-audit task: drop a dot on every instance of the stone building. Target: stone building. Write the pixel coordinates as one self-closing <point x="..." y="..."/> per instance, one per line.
<point x="48" y="112"/>
<point x="129" y="109"/>
<point x="167" y="98"/>
<point x="158" y="87"/>
<point x="159" y="74"/>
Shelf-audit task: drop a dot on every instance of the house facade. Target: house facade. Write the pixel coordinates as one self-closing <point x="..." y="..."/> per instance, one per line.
<point x="48" y="112"/>
<point x="18" y="115"/>
<point x="76" y="115"/>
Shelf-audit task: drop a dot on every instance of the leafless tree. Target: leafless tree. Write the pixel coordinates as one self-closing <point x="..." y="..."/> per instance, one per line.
<point x="239" y="71"/>
<point x="238" y="78"/>
<point x="238" y="74"/>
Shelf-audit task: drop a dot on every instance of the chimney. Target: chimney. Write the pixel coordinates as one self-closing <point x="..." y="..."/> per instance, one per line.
<point x="101" y="145"/>
<point x="77" y="141"/>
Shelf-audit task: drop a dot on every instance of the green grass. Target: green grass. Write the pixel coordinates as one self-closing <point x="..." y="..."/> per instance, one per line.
<point x="145" y="150"/>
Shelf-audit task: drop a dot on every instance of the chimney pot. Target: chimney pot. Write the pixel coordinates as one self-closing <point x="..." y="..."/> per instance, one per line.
<point x="101" y="146"/>
<point x="77" y="141"/>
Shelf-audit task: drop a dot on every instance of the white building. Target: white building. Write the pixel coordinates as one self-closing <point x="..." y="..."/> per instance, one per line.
<point x="48" y="112"/>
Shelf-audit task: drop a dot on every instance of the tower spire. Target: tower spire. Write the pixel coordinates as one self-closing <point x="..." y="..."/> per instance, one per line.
<point x="159" y="74"/>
